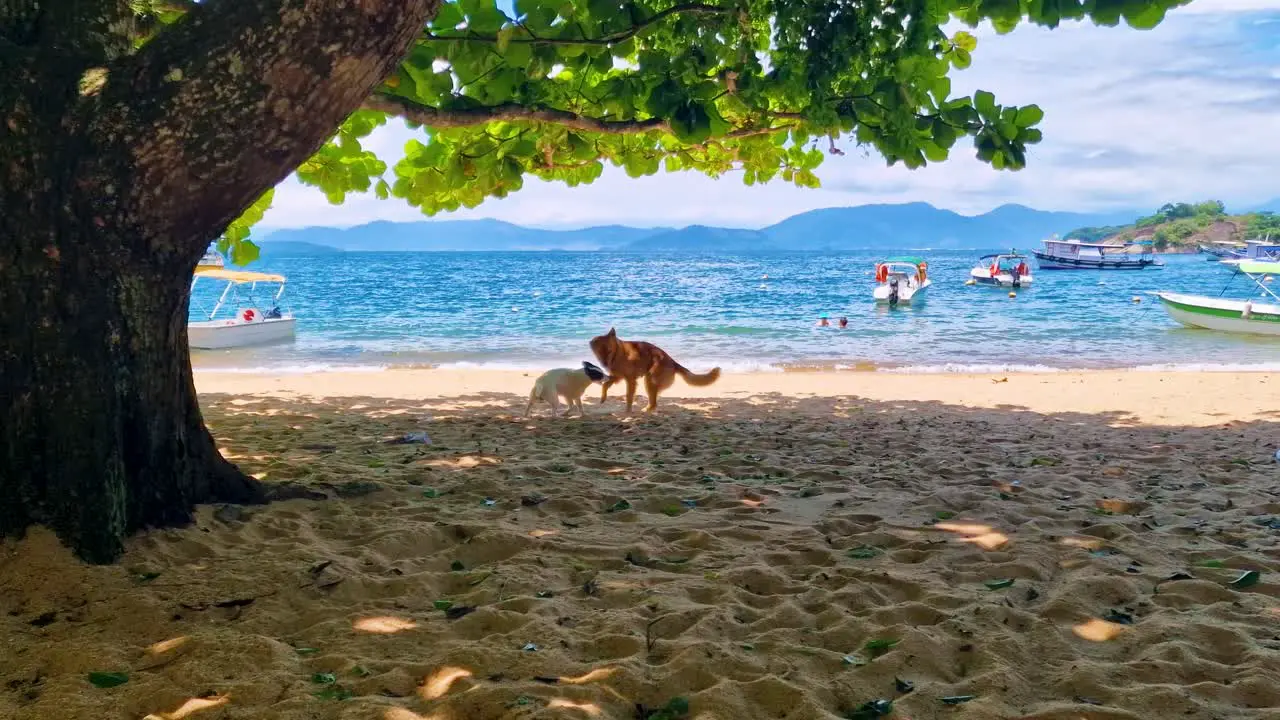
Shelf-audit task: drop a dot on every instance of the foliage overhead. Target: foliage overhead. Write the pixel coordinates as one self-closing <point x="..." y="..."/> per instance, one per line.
<point x="558" y="88"/>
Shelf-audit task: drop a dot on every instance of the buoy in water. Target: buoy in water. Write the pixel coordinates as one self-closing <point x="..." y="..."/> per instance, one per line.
<point x="1267" y="279"/>
<point x="515" y="309"/>
<point x="970" y="281"/>
<point x="764" y="276"/>
<point x="1013" y="294"/>
<point x="1137" y="298"/>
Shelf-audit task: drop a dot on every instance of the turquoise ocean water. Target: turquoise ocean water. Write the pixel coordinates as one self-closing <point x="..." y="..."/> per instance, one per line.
<point x="532" y="310"/>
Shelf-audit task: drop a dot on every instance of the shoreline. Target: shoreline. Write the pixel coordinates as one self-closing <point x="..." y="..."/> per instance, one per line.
<point x="1194" y="398"/>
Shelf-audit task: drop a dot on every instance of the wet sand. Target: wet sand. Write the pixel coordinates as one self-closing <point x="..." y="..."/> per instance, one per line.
<point x="774" y="546"/>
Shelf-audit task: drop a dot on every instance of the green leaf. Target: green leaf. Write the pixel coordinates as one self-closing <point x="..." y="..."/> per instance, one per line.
<point x="1029" y="115"/>
<point x="944" y="515"/>
<point x="985" y="103"/>
<point x="448" y="17"/>
<point x="324" y="678"/>
<point x="965" y="41"/>
<point x="504" y="38"/>
<point x="442" y="604"/>
<point x="960" y="58"/>
<point x="999" y="584"/>
<point x="618" y="506"/>
<point x="866" y="552"/>
<point x="1246" y="580"/>
<point x="1211" y="564"/>
<point x="878" y="647"/>
<point x="108" y="679"/>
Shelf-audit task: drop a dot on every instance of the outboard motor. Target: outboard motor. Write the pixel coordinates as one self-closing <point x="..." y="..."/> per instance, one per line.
<point x="893" y="292"/>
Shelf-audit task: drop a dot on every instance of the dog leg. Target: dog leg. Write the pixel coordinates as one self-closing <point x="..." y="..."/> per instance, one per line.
<point x="555" y="405"/>
<point x="631" y="393"/>
<point x="529" y="408"/>
<point x="604" y="390"/>
<point x="651" y="389"/>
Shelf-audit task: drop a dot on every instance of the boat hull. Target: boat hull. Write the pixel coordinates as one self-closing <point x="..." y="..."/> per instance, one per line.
<point x="1049" y="262"/>
<point x="223" y="334"/>
<point x="905" y="294"/>
<point x="982" y="276"/>
<point x="1198" y="311"/>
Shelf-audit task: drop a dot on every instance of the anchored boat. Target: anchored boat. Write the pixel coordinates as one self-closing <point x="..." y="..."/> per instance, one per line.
<point x="1075" y="255"/>
<point x="1002" y="269"/>
<point x="901" y="280"/>
<point x="1226" y="314"/>
<point x="251" y="324"/>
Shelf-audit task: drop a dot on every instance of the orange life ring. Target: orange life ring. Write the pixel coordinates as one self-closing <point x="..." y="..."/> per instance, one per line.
<point x="882" y="273"/>
<point x="248" y="315"/>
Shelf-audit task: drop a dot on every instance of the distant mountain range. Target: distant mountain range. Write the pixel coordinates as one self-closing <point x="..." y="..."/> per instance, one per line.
<point x="865" y="227"/>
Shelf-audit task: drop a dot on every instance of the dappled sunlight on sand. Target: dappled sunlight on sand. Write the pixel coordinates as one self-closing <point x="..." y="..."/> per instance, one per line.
<point x="589" y="708"/>
<point x="1098" y="630"/>
<point x="593" y="676"/>
<point x="438" y="683"/>
<point x="191" y="707"/>
<point x="981" y="535"/>
<point x="399" y="713"/>
<point x="384" y="625"/>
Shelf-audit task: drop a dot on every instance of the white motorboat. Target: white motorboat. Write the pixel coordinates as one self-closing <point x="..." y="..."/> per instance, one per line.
<point x="1228" y="314"/>
<point x="1003" y="269"/>
<point x="251" y="324"/>
<point x="899" y="281"/>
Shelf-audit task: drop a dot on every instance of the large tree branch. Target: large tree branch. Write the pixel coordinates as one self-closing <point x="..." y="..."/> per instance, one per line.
<point x="436" y="118"/>
<point x="511" y="112"/>
<point x="610" y="39"/>
<point x="229" y="100"/>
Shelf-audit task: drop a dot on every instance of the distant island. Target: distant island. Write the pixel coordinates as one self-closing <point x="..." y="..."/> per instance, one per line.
<point x="885" y="227"/>
<point x="1183" y="227"/>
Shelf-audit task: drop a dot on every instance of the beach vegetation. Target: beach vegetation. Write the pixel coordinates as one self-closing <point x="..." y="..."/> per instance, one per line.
<point x="138" y="132"/>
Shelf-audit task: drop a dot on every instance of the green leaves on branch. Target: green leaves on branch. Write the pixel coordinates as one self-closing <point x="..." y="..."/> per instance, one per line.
<point x="557" y="89"/>
<point x="235" y="242"/>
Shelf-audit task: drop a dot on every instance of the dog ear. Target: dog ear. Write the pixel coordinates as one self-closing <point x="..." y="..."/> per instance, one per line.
<point x="613" y="332"/>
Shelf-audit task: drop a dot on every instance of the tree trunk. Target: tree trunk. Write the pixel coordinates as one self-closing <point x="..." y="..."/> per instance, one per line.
<point x="117" y="168"/>
<point x="102" y="432"/>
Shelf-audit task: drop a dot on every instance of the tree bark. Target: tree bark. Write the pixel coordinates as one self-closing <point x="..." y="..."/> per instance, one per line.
<point x="110" y="191"/>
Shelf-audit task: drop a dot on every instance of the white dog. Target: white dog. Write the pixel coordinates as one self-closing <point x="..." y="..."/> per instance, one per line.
<point x="564" y="383"/>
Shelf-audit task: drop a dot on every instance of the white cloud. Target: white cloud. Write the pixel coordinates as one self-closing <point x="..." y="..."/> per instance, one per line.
<point x="1134" y="119"/>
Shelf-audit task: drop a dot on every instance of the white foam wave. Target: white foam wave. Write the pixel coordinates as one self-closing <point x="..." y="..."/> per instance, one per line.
<point x="289" y="369"/>
<point x="1210" y="367"/>
<point x="971" y="369"/>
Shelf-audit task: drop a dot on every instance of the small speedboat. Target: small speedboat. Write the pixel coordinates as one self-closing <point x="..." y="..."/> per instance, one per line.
<point x="252" y="323"/>
<point x="1002" y="269"/>
<point x="1227" y="314"/>
<point x="899" y="281"/>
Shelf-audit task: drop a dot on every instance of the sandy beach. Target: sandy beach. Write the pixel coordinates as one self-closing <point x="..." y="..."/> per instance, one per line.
<point x="1061" y="546"/>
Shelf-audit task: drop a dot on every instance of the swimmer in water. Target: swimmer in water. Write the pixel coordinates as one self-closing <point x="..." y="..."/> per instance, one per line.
<point x="823" y="322"/>
<point x="844" y="323"/>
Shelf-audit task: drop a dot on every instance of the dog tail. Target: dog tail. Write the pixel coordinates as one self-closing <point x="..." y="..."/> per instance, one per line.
<point x="698" y="380"/>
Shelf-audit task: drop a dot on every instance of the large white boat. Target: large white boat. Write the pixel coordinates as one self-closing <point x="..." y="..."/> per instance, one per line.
<point x="1075" y="255"/>
<point x="1003" y="269"/>
<point x="1256" y="251"/>
<point x="901" y="280"/>
<point x="251" y="324"/>
<point x="1227" y="314"/>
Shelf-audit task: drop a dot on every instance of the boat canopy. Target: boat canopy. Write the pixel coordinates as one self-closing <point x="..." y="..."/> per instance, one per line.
<point x="1011" y="256"/>
<point x="909" y="260"/>
<point x="239" y="276"/>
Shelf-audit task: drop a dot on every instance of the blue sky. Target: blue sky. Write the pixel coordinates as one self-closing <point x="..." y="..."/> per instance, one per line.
<point x="1187" y="111"/>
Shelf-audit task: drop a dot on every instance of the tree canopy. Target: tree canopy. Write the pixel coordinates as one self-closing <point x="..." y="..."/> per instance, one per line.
<point x="558" y="88"/>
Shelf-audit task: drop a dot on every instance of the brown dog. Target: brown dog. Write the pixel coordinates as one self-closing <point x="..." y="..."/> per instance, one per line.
<point x="628" y="360"/>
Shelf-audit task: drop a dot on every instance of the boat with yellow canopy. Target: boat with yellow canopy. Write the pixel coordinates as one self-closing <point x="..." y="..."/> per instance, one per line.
<point x="256" y="321"/>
